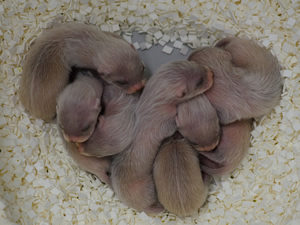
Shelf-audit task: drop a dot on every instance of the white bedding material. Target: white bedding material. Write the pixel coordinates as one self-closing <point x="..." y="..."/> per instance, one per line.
<point x="40" y="184"/>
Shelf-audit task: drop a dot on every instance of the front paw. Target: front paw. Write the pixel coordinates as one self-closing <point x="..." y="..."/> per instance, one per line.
<point x="80" y="149"/>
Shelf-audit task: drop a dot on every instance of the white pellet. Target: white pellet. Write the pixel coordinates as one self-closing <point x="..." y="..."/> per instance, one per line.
<point x="167" y="49"/>
<point x="162" y="42"/>
<point x="136" y="45"/>
<point x="184" y="50"/>
<point x="177" y="44"/>
<point x="277" y="188"/>
<point x="143" y="45"/>
<point x="291" y="22"/>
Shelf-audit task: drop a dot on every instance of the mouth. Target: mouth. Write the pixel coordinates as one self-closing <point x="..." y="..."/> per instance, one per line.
<point x="206" y="148"/>
<point x="136" y="87"/>
<point x="75" y="139"/>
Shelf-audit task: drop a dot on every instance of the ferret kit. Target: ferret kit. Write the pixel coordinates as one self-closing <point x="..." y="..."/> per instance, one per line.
<point x="156" y="143"/>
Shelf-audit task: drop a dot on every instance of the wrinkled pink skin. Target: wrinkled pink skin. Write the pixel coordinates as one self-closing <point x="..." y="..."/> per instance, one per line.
<point x="233" y="146"/>
<point x="247" y="79"/>
<point x="155" y="114"/>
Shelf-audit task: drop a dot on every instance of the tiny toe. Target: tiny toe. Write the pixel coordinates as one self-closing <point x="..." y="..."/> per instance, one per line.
<point x="78" y="146"/>
<point x="81" y="149"/>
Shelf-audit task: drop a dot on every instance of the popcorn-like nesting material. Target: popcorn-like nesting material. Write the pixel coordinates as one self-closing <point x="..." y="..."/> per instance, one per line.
<point x="39" y="184"/>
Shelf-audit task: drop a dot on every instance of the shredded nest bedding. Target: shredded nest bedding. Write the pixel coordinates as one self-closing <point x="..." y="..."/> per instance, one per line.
<point x="40" y="183"/>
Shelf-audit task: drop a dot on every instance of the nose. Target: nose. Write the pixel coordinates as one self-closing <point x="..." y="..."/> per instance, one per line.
<point x="136" y="87"/>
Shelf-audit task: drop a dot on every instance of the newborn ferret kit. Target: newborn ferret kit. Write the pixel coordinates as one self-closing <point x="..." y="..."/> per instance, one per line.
<point x="149" y="112"/>
<point x="156" y="143"/>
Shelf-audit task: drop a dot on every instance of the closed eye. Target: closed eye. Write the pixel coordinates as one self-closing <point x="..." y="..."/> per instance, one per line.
<point x="121" y="82"/>
<point x="192" y="142"/>
<point x="86" y="128"/>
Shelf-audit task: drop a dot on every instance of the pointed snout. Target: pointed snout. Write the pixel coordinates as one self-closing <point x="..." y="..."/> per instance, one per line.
<point x="136" y="87"/>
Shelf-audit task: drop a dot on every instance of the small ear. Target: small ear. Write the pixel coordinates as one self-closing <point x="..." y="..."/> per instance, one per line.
<point x="180" y="92"/>
<point x="57" y="108"/>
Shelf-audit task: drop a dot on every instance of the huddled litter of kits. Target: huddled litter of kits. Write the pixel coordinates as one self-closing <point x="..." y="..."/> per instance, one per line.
<point x="44" y="179"/>
<point x="202" y="108"/>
